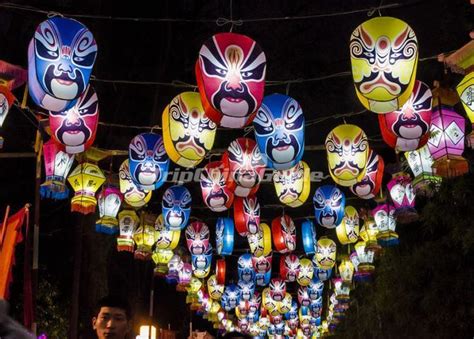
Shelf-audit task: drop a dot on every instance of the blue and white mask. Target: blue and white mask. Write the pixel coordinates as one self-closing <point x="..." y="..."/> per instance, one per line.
<point x="247" y="288"/>
<point x="245" y="268"/>
<point x="329" y="203"/>
<point x="176" y="207"/>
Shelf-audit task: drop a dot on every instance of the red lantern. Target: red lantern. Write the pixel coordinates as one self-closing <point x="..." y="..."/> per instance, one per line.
<point x="246" y="215"/>
<point x="284" y="234"/>
<point x="220" y="271"/>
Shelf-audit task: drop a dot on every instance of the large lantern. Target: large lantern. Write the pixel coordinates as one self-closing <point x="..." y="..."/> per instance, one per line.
<point x="348" y="231"/>
<point x="306" y="272"/>
<point x="176" y="207"/>
<point x="279" y="131"/>
<point x="384" y="216"/>
<point x="214" y="288"/>
<point x="446" y="142"/>
<point x="230" y="73"/>
<point x="148" y="160"/>
<point x="188" y="133"/>
<point x="325" y="253"/>
<point x="128" y="222"/>
<point x="245" y="167"/>
<point x="215" y="193"/>
<point x="109" y="201"/>
<point x="246" y="215"/>
<point x="85" y="180"/>
<point x="421" y="162"/>
<point x="289" y="267"/>
<point x="197" y="237"/>
<point x="465" y="90"/>
<point x="284" y="234"/>
<point x="245" y="268"/>
<point x="165" y="237"/>
<point x="292" y="185"/>
<point x="403" y="197"/>
<point x="329" y="203"/>
<point x="260" y="243"/>
<point x="224" y="236"/>
<point x="201" y="264"/>
<point x="407" y="129"/>
<point x="61" y="56"/>
<point x="247" y="289"/>
<point x="370" y="184"/>
<point x="57" y="165"/>
<point x="347" y="153"/>
<point x="308" y="233"/>
<point x="384" y="58"/>
<point x="144" y="236"/>
<point x="133" y="194"/>
<point x="231" y="296"/>
<point x="76" y="127"/>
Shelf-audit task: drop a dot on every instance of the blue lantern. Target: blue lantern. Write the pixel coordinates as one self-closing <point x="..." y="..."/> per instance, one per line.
<point x="176" y="207"/>
<point x="247" y="289"/>
<point x="245" y="268"/>
<point x="329" y="203"/>
<point x="309" y="237"/>
<point x="263" y="279"/>
<point x="320" y="273"/>
<point x="315" y="289"/>
<point x="148" y="160"/>
<point x="224" y="236"/>
<point x="279" y="131"/>
<point x="232" y="296"/>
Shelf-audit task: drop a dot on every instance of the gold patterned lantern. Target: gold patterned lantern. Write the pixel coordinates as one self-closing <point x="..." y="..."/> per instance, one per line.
<point x="128" y="222"/>
<point x="144" y="237"/>
<point x="85" y="180"/>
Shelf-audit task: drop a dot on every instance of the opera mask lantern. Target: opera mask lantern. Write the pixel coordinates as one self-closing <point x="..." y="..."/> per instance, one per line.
<point x="176" y="207"/>
<point x="308" y="233"/>
<point x="215" y="194"/>
<point x="289" y="267"/>
<point x="197" y="237"/>
<point x="247" y="289"/>
<point x="232" y="295"/>
<point x="292" y="185"/>
<point x="215" y="289"/>
<point x="348" y="231"/>
<point x="303" y="296"/>
<point x="230" y="73"/>
<point x="165" y="237"/>
<point x="284" y="234"/>
<point x="277" y="289"/>
<point x="133" y="195"/>
<point x="384" y="58"/>
<point x="326" y="253"/>
<point x="306" y="272"/>
<point x="329" y="203"/>
<point x="188" y="134"/>
<point x="370" y="184"/>
<point x="246" y="215"/>
<point x="279" y="131"/>
<point x="224" y="236"/>
<point x="245" y="268"/>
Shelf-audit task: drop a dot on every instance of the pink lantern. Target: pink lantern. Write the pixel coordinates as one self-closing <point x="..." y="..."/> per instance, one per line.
<point x="384" y="216"/>
<point x="403" y="197"/>
<point x="57" y="165"/>
<point x="109" y="201"/>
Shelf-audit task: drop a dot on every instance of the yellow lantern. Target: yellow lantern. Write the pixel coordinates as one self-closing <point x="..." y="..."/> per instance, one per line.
<point x="384" y="58"/>
<point x="165" y="238"/>
<point x="306" y="272"/>
<point x="465" y="90"/>
<point x="148" y="332"/>
<point x="325" y="253"/>
<point x="292" y="185"/>
<point x="347" y="151"/>
<point x="187" y="132"/>
<point x="214" y="288"/>
<point x="365" y="256"/>
<point x="348" y="231"/>
<point x="109" y="201"/>
<point x="161" y="258"/>
<point x="128" y="222"/>
<point x="260" y="243"/>
<point x="144" y="237"/>
<point x="346" y="270"/>
<point x="132" y="194"/>
<point x="85" y="181"/>
<point x="368" y="233"/>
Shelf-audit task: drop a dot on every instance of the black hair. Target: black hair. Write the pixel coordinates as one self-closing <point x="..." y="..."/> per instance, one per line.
<point x="114" y="301"/>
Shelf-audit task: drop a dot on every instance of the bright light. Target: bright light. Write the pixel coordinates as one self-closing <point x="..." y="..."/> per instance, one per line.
<point x="145" y="332"/>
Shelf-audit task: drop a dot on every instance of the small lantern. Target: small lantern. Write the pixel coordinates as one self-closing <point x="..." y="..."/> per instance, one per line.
<point x="284" y="234"/>
<point x="277" y="289"/>
<point x="230" y="73"/>
<point x="303" y="296"/>
<point x="320" y="273"/>
<point x="421" y="162"/>
<point x="215" y="194"/>
<point x="370" y="184"/>
<point x="465" y="90"/>
<point x="187" y="132"/>
<point x="315" y="290"/>
<point x="346" y="270"/>
<point x="279" y="131"/>
<point x="161" y="258"/>
<point x="368" y="233"/>
<point x="6" y="101"/>
<point x="341" y="289"/>
<point x="292" y="185"/>
<point x="246" y="215"/>
<point x="175" y="265"/>
<point x="197" y="237"/>
<point x="128" y="222"/>
<point x="348" y="231"/>
<point x="57" y="165"/>
<point x="231" y="296"/>
<point x="165" y="237"/>
<point x="245" y="268"/>
<point x="403" y="197"/>
<point x="85" y="179"/>
<point x="109" y="201"/>
<point x="201" y="264"/>
<point x="384" y="216"/>
<point x="176" y="207"/>
<point x="247" y="289"/>
<point x="347" y="153"/>
<point x="256" y="241"/>
<point x="133" y="195"/>
<point x="284" y="306"/>
<point x="214" y="288"/>
<point x="384" y="58"/>
<point x="144" y="236"/>
<point x="305" y="273"/>
<point x="224" y="236"/>
<point x="325" y="253"/>
<point x="329" y="203"/>
<point x="308" y="233"/>
<point x="220" y="271"/>
<point x="365" y="258"/>
<point x="446" y="142"/>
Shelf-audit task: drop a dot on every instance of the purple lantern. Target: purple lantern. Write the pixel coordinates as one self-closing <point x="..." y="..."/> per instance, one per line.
<point x="403" y="197"/>
<point x="384" y="216"/>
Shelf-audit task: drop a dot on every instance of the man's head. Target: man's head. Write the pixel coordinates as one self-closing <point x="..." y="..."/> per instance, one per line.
<point x="112" y="319"/>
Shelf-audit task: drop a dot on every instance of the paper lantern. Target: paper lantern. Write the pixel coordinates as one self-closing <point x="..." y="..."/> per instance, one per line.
<point x="329" y="203"/>
<point x="465" y="90"/>
<point x="305" y="273"/>
<point x="347" y="153"/>
<point x="161" y="257"/>
<point x="285" y="305"/>
<point x="321" y="274"/>
<point x="247" y="289"/>
<point x="128" y="222"/>
<point x="421" y="162"/>
<point x="245" y="167"/>
<point x="165" y="237"/>
<point x="57" y="165"/>
<point x="85" y="180"/>
<point x="279" y="131"/>
<point x="384" y="58"/>
<point x="230" y="73"/>
<point x="6" y="101"/>
<point x="246" y="215"/>
<point x="365" y="259"/>
<point x="197" y="237"/>
<point x="215" y="193"/>
<point x="260" y="243"/>
<point x="214" y="288"/>
<point x="348" y="231"/>
<point x="262" y="264"/>
<point x="148" y="161"/>
<point x="76" y="127"/>
<point x="277" y="289"/>
<point x="308" y="233"/>
<point x="61" y="56"/>
<point x="346" y="270"/>
<point x="232" y="296"/>
<point x="174" y="267"/>
<point x="284" y="234"/>
<point x="220" y="271"/>
<point x="144" y="236"/>
<point x="176" y="207"/>
<point x="224" y="236"/>
<point x="109" y="201"/>
<point x="407" y="129"/>
<point x="341" y="290"/>
<point x="201" y="264"/>
<point x="292" y="185"/>
<point x="384" y="216"/>
<point x="370" y="184"/>
<point x="325" y="253"/>
<point x="403" y="197"/>
<point x="188" y="133"/>
<point x="245" y="268"/>
<point x="368" y="233"/>
<point x="315" y="290"/>
<point x="446" y="143"/>
<point x="289" y="267"/>
<point x="133" y="194"/>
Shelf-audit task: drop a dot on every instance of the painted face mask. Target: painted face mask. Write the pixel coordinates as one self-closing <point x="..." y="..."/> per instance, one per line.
<point x="329" y="202"/>
<point x="232" y="294"/>
<point x="348" y="231"/>
<point x="165" y="238"/>
<point x="176" y="207"/>
<point x="245" y="268"/>
<point x="292" y="185"/>
<point x="133" y="195"/>
<point x="244" y="162"/>
<point x="284" y="234"/>
<point x="289" y="267"/>
<point x="303" y="296"/>
<point x="306" y="272"/>
<point x="370" y="184"/>
<point x="148" y="160"/>
<point x="188" y="134"/>
<point x="279" y="131"/>
<point x="256" y="242"/>
<point x="230" y="73"/>
<point x="197" y="237"/>
<point x="465" y="91"/>
<point x="76" y="127"/>
<point x="224" y="236"/>
<point x="247" y="289"/>
<point x="201" y="264"/>
<point x="321" y="274"/>
<point x="315" y="289"/>
<point x="407" y="129"/>
<point x="326" y="253"/>
<point x="215" y="194"/>
<point x="6" y="102"/>
<point x="384" y="57"/>
<point x="347" y="153"/>
<point x="61" y="57"/>
<point x="215" y="290"/>
<point x="247" y="215"/>
<point x="277" y="289"/>
<point x="262" y="264"/>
